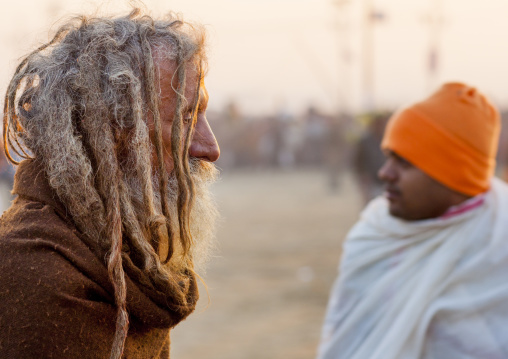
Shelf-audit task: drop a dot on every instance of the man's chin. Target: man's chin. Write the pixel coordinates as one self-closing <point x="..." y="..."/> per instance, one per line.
<point x="395" y="211"/>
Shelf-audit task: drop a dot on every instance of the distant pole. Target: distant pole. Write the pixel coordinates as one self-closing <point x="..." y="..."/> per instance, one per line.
<point x="368" y="57"/>
<point x="344" y="56"/>
<point x="435" y="23"/>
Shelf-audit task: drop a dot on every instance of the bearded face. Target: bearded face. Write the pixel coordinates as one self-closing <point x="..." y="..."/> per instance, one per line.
<point x="191" y="210"/>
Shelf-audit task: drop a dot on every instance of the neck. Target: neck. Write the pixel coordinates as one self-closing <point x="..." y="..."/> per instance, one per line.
<point x="464" y="206"/>
<point x="458" y="198"/>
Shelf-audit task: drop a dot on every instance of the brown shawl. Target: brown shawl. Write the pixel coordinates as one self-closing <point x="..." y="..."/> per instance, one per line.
<point x="56" y="300"/>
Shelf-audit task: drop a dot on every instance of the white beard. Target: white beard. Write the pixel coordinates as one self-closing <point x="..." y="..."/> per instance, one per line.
<point x="204" y="213"/>
<point x="203" y="216"/>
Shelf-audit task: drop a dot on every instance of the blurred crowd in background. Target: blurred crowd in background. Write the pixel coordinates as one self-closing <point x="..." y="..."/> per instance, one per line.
<point x="334" y="144"/>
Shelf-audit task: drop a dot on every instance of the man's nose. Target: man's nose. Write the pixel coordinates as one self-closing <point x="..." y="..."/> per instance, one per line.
<point x="204" y="145"/>
<point x="386" y="173"/>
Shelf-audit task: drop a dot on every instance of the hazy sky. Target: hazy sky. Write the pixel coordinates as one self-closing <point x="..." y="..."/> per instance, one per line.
<point x="269" y="55"/>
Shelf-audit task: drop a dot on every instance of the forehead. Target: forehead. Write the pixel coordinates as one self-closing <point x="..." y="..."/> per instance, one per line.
<point x="166" y="78"/>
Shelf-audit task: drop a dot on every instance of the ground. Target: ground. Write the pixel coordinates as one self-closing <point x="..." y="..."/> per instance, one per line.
<point x="279" y="246"/>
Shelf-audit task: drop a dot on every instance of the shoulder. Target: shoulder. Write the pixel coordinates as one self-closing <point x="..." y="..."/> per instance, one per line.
<point x="53" y="290"/>
<point x="34" y="237"/>
<point x="30" y="218"/>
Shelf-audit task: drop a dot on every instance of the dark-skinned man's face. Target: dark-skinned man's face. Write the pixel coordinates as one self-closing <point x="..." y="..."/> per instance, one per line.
<point x="411" y="193"/>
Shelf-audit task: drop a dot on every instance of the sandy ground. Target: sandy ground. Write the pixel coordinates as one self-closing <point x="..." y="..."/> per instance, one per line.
<point x="279" y="245"/>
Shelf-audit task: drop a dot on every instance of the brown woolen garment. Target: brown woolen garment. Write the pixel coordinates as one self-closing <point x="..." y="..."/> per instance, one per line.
<point x="56" y="299"/>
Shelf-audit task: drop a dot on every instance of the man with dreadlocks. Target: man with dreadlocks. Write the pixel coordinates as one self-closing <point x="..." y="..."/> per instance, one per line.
<point x="98" y="251"/>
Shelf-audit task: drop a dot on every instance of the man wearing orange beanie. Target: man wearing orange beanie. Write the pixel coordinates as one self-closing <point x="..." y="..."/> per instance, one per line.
<point x="423" y="274"/>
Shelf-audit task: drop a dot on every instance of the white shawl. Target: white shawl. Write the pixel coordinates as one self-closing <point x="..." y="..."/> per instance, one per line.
<point x="425" y="289"/>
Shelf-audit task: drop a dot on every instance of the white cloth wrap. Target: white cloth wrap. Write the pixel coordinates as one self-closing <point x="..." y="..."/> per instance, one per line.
<point x="427" y="289"/>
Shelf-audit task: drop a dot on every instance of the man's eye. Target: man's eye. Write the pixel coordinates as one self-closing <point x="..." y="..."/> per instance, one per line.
<point x="403" y="162"/>
<point x="187" y="117"/>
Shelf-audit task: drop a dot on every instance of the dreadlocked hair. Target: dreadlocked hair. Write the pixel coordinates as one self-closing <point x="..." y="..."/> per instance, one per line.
<point x="79" y="105"/>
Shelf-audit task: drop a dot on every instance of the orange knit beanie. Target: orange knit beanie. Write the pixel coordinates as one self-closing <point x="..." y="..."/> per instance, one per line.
<point x="452" y="136"/>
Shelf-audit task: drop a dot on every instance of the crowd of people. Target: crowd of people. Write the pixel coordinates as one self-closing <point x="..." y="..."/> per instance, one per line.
<point x="111" y="216"/>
